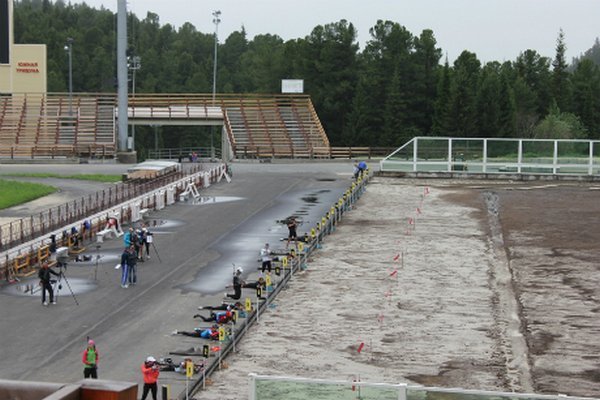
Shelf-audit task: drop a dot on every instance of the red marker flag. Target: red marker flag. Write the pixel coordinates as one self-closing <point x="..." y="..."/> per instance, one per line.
<point x="360" y="346"/>
<point x="426" y="190"/>
<point x="410" y="221"/>
<point x="396" y="257"/>
<point x="418" y="210"/>
<point x="215" y="349"/>
<point x="394" y="273"/>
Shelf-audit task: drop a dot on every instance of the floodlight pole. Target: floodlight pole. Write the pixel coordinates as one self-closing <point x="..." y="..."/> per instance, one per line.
<point x="216" y="20"/>
<point x="69" y="50"/>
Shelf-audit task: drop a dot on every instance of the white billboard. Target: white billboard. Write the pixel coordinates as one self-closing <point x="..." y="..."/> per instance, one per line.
<point x="292" y="86"/>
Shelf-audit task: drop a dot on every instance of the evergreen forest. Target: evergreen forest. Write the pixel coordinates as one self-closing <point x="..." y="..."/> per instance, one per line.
<point x="398" y="86"/>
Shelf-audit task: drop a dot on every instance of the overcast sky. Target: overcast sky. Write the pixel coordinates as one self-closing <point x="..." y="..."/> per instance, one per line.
<point x="496" y="30"/>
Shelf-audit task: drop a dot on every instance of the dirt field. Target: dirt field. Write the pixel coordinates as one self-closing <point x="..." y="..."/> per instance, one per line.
<point x="491" y="286"/>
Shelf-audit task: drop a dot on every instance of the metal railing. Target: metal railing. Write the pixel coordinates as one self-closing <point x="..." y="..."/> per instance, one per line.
<point x="27" y="235"/>
<point x="495" y="156"/>
<point x="185" y="153"/>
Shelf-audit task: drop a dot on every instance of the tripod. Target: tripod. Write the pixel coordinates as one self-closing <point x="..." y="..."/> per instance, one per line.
<point x="58" y="286"/>
<point x="150" y="241"/>
<point x="98" y="256"/>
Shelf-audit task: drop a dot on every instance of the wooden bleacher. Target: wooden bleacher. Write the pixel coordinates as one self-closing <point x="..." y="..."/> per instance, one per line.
<point x="39" y="125"/>
<point x="56" y="125"/>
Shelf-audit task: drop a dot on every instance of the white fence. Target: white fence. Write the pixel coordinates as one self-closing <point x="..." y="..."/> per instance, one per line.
<point x="496" y="156"/>
<point x="264" y="387"/>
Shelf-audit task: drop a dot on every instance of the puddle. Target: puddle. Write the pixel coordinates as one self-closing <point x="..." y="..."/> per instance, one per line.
<point x="160" y="223"/>
<point x="310" y="199"/>
<point x="30" y="287"/>
<point x="202" y="200"/>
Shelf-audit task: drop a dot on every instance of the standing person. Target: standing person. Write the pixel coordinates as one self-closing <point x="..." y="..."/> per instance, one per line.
<point x="128" y="238"/>
<point x="150" y="371"/>
<point x="265" y="254"/>
<point x="292" y="225"/>
<point x="132" y="257"/>
<point x="44" y="275"/>
<point x="124" y="268"/>
<point x="90" y="358"/>
<point x="146" y="244"/>
<point x="139" y="248"/>
<point x="237" y="285"/>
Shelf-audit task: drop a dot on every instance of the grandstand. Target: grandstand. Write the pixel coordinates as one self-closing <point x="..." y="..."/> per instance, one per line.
<point x="84" y="125"/>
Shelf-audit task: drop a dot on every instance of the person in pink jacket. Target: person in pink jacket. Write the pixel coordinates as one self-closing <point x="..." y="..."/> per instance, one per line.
<point x="150" y="371"/>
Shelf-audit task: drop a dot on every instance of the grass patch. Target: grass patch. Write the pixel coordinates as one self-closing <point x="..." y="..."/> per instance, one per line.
<point x="82" y="177"/>
<point x="13" y="192"/>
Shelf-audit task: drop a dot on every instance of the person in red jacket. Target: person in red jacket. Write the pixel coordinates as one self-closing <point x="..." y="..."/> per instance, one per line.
<point x="150" y="371"/>
<point x="90" y="358"/>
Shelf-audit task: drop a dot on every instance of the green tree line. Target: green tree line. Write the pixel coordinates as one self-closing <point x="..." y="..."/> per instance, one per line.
<point x="396" y="87"/>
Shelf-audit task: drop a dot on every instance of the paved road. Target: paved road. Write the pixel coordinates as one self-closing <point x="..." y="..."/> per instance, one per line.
<point x="197" y="245"/>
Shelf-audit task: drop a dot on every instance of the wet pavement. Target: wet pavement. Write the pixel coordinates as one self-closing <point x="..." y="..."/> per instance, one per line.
<point x="197" y="244"/>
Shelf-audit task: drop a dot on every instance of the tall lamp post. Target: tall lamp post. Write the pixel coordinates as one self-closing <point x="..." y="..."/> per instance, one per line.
<point x="133" y="63"/>
<point x="69" y="50"/>
<point x="216" y="20"/>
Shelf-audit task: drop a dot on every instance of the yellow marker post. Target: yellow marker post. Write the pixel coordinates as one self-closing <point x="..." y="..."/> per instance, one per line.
<point x="221" y="334"/>
<point x="323" y="222"/>
<point x="189" y="369"/>
<point x="235" y="316"/>
<point x="313" y="233"/>
<point x="248" y="304"/>
<point x="300" y="246"/>
<point x="268" y="280"/>
<point x="284" y="261"/>
<point x="189" y="372"/>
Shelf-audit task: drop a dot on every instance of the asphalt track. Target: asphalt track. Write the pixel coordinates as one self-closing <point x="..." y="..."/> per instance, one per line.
<point x="197" y="243"/>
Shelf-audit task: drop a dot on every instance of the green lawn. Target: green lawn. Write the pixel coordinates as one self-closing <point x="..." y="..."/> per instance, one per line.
<point x="83" y="177"/>
<point x="13" y="192"/>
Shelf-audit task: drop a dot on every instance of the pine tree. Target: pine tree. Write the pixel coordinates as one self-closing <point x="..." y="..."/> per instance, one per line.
<point x="560" y="75"/>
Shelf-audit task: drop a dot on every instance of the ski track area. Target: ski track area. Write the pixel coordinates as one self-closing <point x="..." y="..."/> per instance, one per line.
<point x="477" y="285"/>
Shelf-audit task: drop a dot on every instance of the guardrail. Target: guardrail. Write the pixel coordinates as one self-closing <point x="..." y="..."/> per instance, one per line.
<point x="324" y="227"/>
<point x="185" y="153"/>
<point x="275" y="151"/>
<point x="90" y="215"/>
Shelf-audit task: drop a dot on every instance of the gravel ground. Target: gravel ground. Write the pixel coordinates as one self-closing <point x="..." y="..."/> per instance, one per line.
<point x="478" y="285"/>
